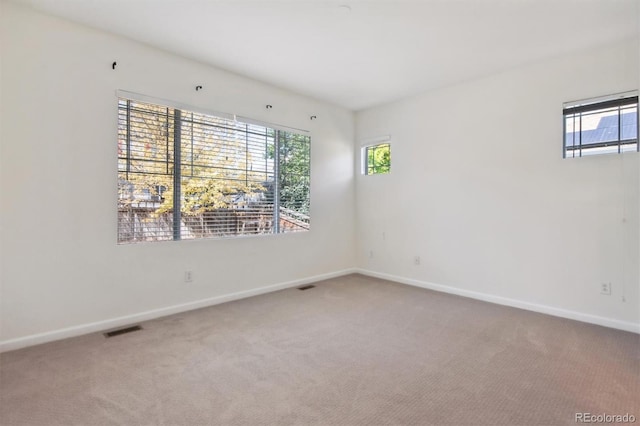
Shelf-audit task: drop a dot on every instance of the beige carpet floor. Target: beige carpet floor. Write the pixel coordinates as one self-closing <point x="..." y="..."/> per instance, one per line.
<point x="352" y="351"/>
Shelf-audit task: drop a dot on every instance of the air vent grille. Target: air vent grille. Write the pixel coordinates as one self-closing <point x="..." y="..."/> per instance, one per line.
<point x="122" y="331"/>
<point x="306" y="287"/>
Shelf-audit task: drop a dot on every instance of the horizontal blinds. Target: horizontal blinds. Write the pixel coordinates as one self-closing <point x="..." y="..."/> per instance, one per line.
<point x="145" y="170"/>
<point x="124" y="94"/>
<point x="227" y="174"/>
<point x="613" y="103"/>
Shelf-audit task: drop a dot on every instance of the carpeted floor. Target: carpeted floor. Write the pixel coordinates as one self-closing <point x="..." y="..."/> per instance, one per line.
<point x="352" y="351"/>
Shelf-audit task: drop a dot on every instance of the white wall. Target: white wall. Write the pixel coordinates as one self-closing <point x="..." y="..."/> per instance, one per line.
<point x="479" y="191"/>
<point x="61" y="266"/>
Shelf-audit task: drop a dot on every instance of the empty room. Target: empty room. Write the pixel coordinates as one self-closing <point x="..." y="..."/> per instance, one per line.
<point x="322" y="212"/>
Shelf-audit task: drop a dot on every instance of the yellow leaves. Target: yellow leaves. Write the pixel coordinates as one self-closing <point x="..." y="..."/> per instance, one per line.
<point x="202" y="195"/>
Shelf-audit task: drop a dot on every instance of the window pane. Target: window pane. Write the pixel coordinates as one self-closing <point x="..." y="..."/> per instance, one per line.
<point x="144" y="208"/>
<point x="572" y="130"/>
<point x="225" y="171"/>
<point x="378" y="159"/>
<point x="145" y="167"/>
<point x="600" y="126"/>
<point x="294" y="182"/>
<point x="629" y="123"/>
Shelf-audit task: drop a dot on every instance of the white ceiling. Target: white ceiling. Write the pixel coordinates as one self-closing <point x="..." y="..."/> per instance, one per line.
<point x="379" y="51"/>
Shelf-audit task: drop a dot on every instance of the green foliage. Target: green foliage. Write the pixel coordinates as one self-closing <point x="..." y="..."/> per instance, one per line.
<point x="295" y="173"/>
<point x="202" y="195"/>
<point x="378" y="159"/>
<point x="295" y="170"/>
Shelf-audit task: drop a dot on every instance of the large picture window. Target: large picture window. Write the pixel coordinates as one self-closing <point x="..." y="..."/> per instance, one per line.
<point x="187" y="175"/>
<point x="601" y="126"/>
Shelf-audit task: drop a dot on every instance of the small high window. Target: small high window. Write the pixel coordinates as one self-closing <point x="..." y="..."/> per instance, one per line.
<point x="376" y="159"/>
<point x="601" y="126"/>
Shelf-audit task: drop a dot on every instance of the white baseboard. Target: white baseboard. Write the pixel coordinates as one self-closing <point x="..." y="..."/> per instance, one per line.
<point x="544" y="309"/>
<point x="36" y="339"/>
<point x="78" y="330"/>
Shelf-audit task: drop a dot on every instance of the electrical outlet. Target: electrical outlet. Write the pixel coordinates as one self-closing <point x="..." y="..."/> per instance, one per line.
<point x="416" y="260"/>
<point x="188" y="276"/>
<point x="605" y="288"/>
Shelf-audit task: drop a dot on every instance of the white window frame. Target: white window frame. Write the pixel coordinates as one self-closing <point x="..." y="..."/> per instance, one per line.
<point x="285" y="140"/>
<point x="364" y="148"/>
<point x="576" y="111"/>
